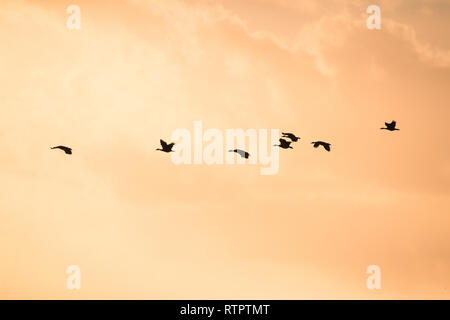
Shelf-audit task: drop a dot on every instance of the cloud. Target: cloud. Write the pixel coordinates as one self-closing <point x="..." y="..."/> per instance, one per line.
<point x="428" y="53"/>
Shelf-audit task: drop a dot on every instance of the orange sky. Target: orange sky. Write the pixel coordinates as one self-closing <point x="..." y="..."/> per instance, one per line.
<point x="140" y="226"/>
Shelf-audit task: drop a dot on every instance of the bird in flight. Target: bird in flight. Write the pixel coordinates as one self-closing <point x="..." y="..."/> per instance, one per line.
<point x="242" y="153"/>
<point x="290" y="136"/>
<point x="390" y="126"/>
<point x="323" y="144"/>
<point x="284" y="144"/>
<point x="67" y="150"/>
<point x="166" y="147"/>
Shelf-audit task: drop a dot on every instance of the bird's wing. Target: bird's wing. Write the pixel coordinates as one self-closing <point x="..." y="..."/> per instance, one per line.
<point x="163" y="143"/>
<point x="387" y="124"/>
<point x="171" y="145"/>
<point x="63" y="148"/>
<point x="240" y="152"/>
<point x="393" y="123"/>
<point x="247" y="155"/>
<point x="327" y="146"/>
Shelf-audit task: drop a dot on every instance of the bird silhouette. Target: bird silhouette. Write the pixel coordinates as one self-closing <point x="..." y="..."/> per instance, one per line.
<point x="290" y="136"/>
<point x="166" y="147"/>
<point x="323" y="144"/>
<point x="390" y="126"/>
<point x="67" y="150"/>
<point x="242" y="153"/>
<point x="284" y="144"/>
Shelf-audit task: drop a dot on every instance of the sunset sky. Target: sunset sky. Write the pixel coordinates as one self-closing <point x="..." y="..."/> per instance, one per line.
<point x="141" y="227"/>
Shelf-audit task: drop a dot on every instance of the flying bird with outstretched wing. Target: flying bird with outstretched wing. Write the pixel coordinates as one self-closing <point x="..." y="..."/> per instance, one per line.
<point x="390" y="126"/>
<point x="67" y="150"/>
<point x="291" y="136"/>
<point x="325" y="145"/>
<point x="166" y="147"/>
<point x="242" y="153"/>
<point x="284" y="144"/>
